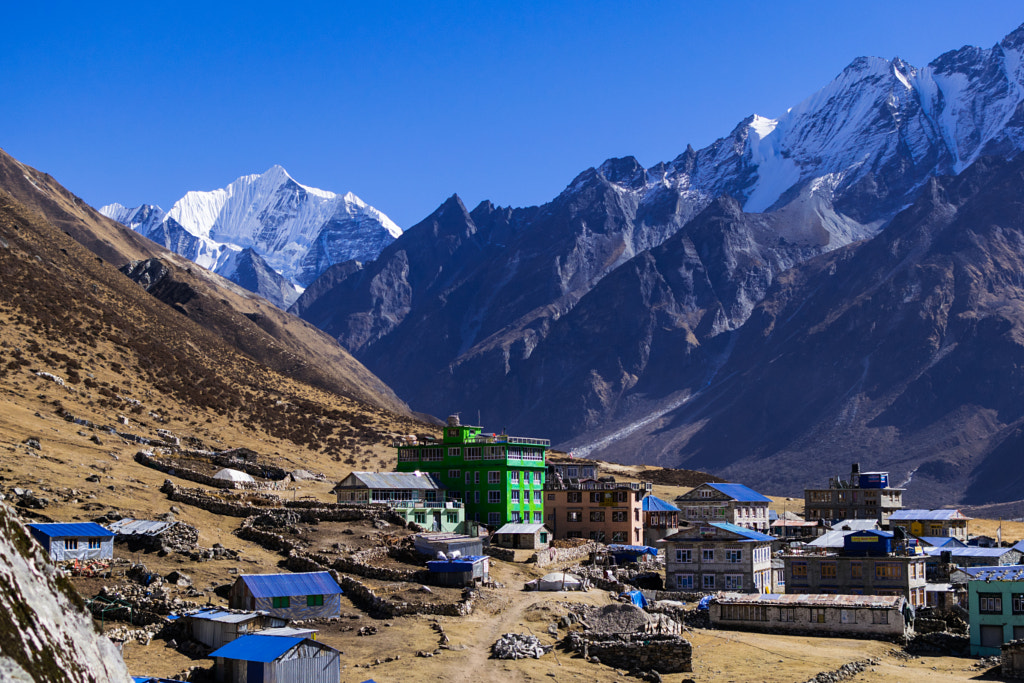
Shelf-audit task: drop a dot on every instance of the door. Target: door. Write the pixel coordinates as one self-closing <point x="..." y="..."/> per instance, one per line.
<point x="437" y="520"/>
<point x="991" y="636"/>
<point x="1018" y="632"/>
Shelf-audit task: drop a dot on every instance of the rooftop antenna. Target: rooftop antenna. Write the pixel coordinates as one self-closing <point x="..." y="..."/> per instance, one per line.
<point x="478" y="422"/>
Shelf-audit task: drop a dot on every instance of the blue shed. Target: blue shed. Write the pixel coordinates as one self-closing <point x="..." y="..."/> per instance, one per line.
<point x="461" y="571"/>
<point x="75" y="541"/>
<point x="277" y="659"/>
<point x="868" y="542"/>
<point x="306" y="595"/>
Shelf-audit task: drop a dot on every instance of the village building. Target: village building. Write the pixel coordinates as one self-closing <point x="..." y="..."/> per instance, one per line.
<point x="946" y="542"/>
<point x="216" y="627"/>
<point x="430" y="544"/>
<point x="867" y="495"/>
<point x="529" y="536"/>
<point x="275" y="659"/>
<point x="995" y="602"/>
<point x="146" y="534"/>
<point x="792" y="527"/>
<point x="730" y="503"/>
<point x="973" y="557"/>
<point x="499" y="478"/>
<point x="566" y="468"/>
<point x="872" y="616"/>
<point x="417" y="497"/>
<point x="464" y="570"/>
<point x="949" y="523"/>
<point x="308" y="595"/>
<point x="661" y="519"/>
<point x="74" y="541"/>
<point x="868" y="565"/>
<point x="605" y="512"/>
<point x="836" y="532"/>
<point x="718" y="556"/>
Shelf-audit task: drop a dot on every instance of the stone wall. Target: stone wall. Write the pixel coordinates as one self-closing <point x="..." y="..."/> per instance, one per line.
<point x="555" y="555"/>
<point x="149" y="459"/>
<point x="505" y="554"/>
<point x="665" y="654"/>
<point x="1013" y="659"/>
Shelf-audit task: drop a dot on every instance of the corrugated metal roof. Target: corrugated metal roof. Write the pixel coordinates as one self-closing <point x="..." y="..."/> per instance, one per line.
<point x="58" y="530"/>
<point x="743" y="531"/>
<point x="139" y="527"/>
<point x="288" y="585"/>
<point x="740" y="493"/>
<point x="968" y="552"/>
<point x="655" y="504"/>
<point x="257" y="648"/>
<point x="224" y="617"/>
<point x="929" y="515"/>
<point x="288" y="632"/>
<point x="394" y="480"/>
<point x="1010" y="572"/>
<point x="940" y="541"/>
<point x="805" y="599"/>
<point x="513" y="528"/>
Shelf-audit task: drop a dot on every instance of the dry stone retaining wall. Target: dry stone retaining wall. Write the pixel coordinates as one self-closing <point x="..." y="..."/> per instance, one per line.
<point x="556" y="555"/>
<point x="149" y="459"/>
<point x="665" y="654"/>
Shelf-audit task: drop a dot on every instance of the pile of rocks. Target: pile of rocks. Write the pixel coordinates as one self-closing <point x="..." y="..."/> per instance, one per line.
<point x="123" y="634"/>
<point x="940" y="644"/>
<point x="519" y="646"/>
<point x="25" y="498"/>
<point x="845" y="672"/>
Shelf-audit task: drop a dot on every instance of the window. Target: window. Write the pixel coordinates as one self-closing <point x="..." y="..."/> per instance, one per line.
<point x="708" y="581"/>
<point x="597" y="516"/>
<point x="476" y="477"/>
<point x="705" y="493"/>
<point x="314" y="600"/>
<point x="454" y="474"/>
<point x="469" y="478"/>
<point x="432" y="454"/>
<point x="620" y="515"/>
<point x="574" y="497"/>
<point x="453" y="452"/>
<point x="828" y="570"/>
<point x="879" y="616"/>
<point x="888" y="570"/>
<point x="597" y="536"/>
<point x="494" y="453"/>
<point x="70" y="544"/>
<point x="733" y="556"/>
<point x="493" y="518"/>
<point x="494" y="496"/>
<point x="494" y="477"/>
<point x="572" y="472"/>
<point x="990" y="603"/>
<point x="574" y="516"/>
<point x="537" y="518"/>
<point x="280" y="602"/>
<point x="847" y="616"/>
<point x="476" y="496"/>
<point x="516" y="517"/>
<point x="745" y="612"/>
<point x="515" y="495"/>
<point x="733" y="581"/>
<point x="551" y="496"/>
<point x="799" y="569"/>
<point x="543" y="537"/>
<point x="515" y="476"/>
<point x="619" y="537"/>
<point x="817" y="615"/>
<point x="472" y="453"/>
<point x="1018" y="603"/>
<point x="420" y="518"/>
<point x="707" y="555"/>
<point x="94" y="544"/>
<point x="620" y="496"/>
<point x="856" y="570"/>
<point x="451" y="518"/>
<point x="787" y="614"/>
<point x="684" y="581"/>
<point x="720" y="512"/>
<point x="538" y="496"/>
<point x="596" y="496"/>
<point x="684" y="555"/>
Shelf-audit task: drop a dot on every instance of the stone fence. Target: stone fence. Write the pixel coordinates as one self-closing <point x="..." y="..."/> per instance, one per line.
<point x="149" y="459"/>
<point x="543" y="558"/>
<point x="665" y="654"/>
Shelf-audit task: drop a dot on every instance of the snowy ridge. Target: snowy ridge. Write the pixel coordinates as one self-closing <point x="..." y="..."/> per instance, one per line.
<point x="299" y="231"/>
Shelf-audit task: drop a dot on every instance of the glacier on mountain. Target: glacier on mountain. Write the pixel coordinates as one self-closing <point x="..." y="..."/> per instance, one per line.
<point x="299" y="231"/>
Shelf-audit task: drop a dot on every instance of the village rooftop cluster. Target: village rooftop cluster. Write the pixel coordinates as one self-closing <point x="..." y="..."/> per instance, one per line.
<point x="855" y="564"/>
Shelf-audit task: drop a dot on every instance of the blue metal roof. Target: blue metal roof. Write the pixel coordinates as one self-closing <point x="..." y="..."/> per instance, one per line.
<point x="928" y="515"/>
<point x="58" y="530"/>
<point x="969" y="552"/>
<point x="741" y="493"/>
<point x="743" y="531"/>
<point x="616" y="548"/>
<point x="257" y="648"/>
<point x="655" y="504"/>
<point x="942" y="541"/>
<point x="288" y="585"/>
<point x="1010" y="572"/>
<point x="459" y="564"/>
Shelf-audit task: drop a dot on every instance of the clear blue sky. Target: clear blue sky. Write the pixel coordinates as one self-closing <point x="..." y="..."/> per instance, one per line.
<point x="407" y="103"/>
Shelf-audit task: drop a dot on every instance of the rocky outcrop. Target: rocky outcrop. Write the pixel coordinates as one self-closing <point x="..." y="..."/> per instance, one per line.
<point x="46" y="635"/>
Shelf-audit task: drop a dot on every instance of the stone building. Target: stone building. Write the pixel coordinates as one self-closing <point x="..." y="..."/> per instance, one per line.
<point x="873" y="616"/>
<point x="718" y="556"/>
<point x="417" y="497"/>
<point x="950" y="523"/>
<point x="661" y="519"/>
<point x="867" y="495"/>
<point x="730" y="503"/>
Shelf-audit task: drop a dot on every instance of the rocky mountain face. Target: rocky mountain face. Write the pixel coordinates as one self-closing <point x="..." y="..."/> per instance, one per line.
<point x="47" y="635"/>
<point x="291" y="230"/>
<point x="589" y="317"/>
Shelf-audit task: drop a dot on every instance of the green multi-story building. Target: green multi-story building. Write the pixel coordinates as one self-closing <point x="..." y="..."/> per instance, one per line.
<point x="499" y="478"/>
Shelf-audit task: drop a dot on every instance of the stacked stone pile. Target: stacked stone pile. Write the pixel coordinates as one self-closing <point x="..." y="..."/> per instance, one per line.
<point x="123" y="634"/>
<point x="940" y="644"/>
<point x="845" y="672"/>
<point x="519" y="646"/>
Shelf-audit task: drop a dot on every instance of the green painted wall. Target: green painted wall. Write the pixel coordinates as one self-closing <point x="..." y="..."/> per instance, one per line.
<point x="1006" y="619"/>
